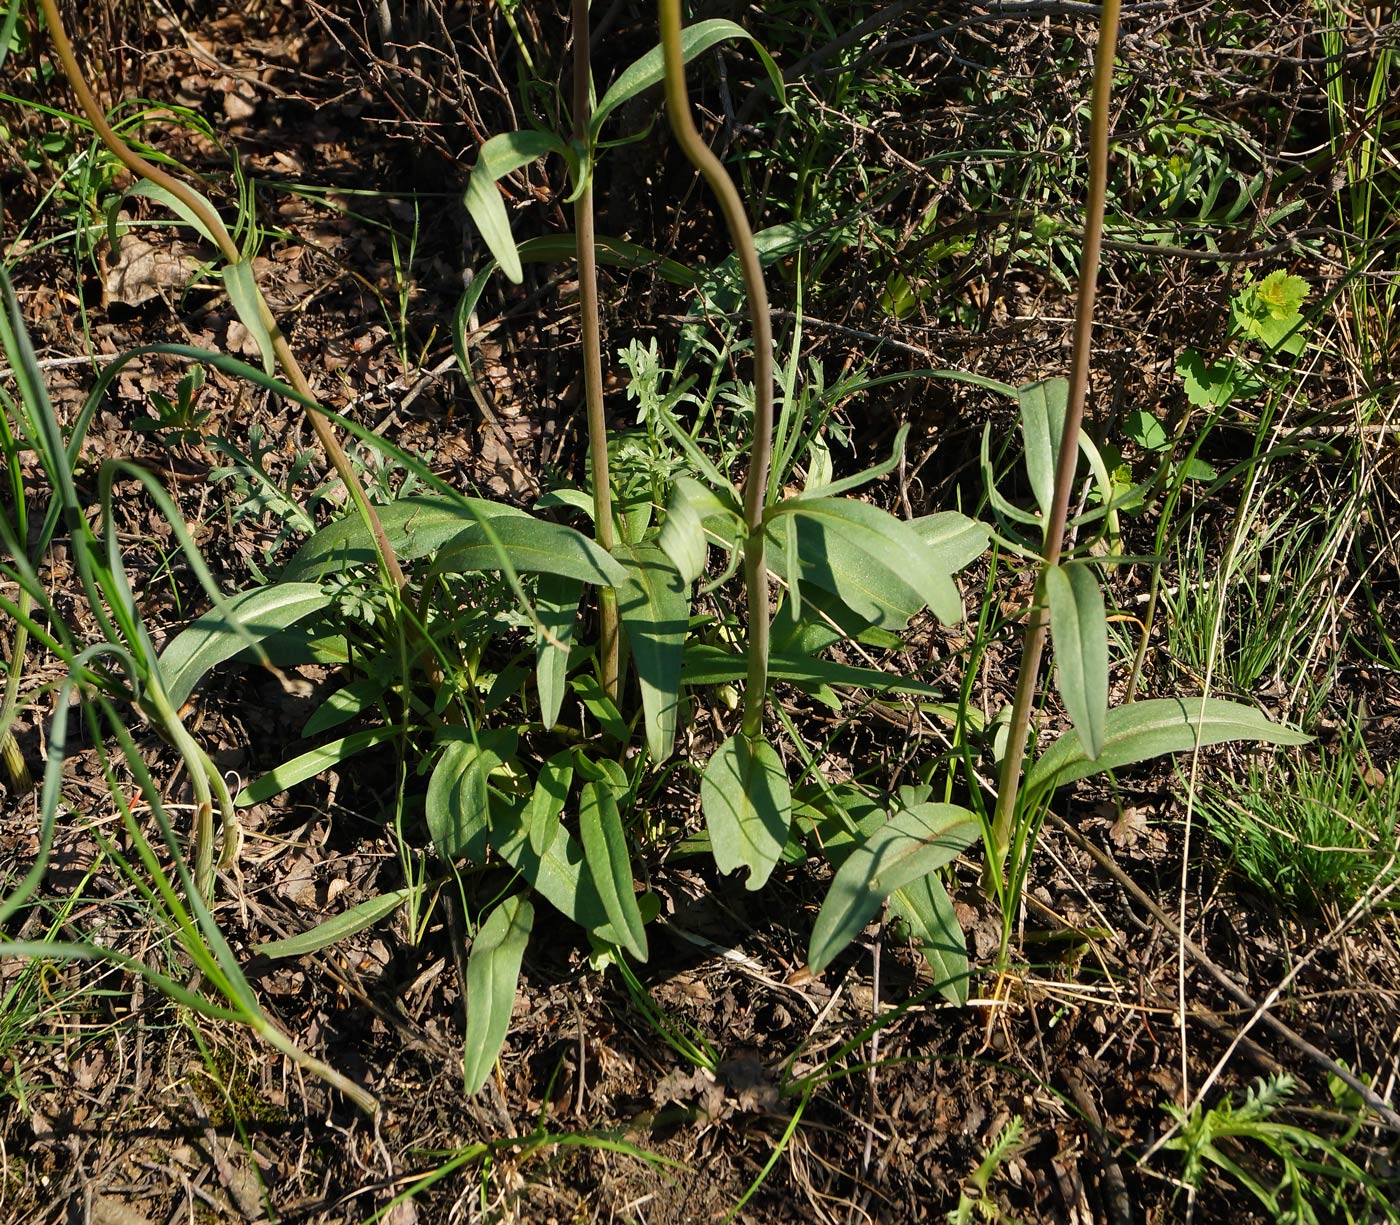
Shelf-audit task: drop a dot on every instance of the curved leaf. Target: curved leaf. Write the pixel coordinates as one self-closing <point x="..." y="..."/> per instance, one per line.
<point x="493" y="973"/>
<point x="911" y="844"/>
<point x="654" y="607"/>
<point x="1154" y="728"/>
<point x="710" y="665"/>
<point x="532" y="546"/>
<point x="415" y="526"/>
<point x="558" y="875"/>
<point x="1042" y="427"/>
<point x="1079" y="632"/>
<point x="500" y="156"/>
<point x="457" y="804"/>
<point x="556" y="608"/>
<point x="211" y="639"/>
<point x="748" y="807"/>
<point x="547" y="801"/>
<point x="610" y="865"/>
<point x="647" y="71"/>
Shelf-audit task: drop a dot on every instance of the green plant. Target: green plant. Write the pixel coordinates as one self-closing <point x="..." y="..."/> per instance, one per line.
<point x="1311" y="832"/>
<point x="1312" y="1179"/>
<point x="973" y="1202"/>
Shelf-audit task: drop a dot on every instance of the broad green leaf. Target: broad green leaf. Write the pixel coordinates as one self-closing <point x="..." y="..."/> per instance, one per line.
<point x="242" y="291"/>
<point x="547" y="801"/>
<point x="1208" y="386"/>
<point x="748" y="807"/>
<point x="415" y="526"/>
<point x="928" y="910"/>
<point x="493" y="973"/>
<point x="556" y="607"/>
<point x="709" y="665"/>
<point x="310" y="764"/>
<point x="878" y="565"/>
<point x="1042" y="426"/>
<point x="1145" y="430"/>
<point x="610" y="865"/>
<point x="457" y="807"/>
<point x="954" y="540"/>
<point x="1079" y="632"/>
<point x="559" y="875"/>
<point x="682" y="536"/>
<point x="342" y="926"/>
<point x="643" y="73"/>
<point x="654" y="607"/>
<point x="529" y="545"/>
<point x="500" y="156"/>
<point x="600" y="706"/>
<point x="212" y="638"/>
<point x="912" y="843"/>
<point x="1143" y="730"/>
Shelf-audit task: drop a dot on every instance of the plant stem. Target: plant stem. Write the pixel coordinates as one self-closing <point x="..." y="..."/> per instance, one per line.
<point x="593" y="350"/>
<point x="1038" y="622"/>
<point x="213" y="223"/>
<point x="760" y="454"/>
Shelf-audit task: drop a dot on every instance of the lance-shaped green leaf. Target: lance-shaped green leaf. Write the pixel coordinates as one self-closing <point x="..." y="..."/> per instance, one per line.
<point x="928" y="910"/>
<point x="643" y="73"/>
<point x="911" y="844"/>
<point x="610" y="865"/>
<point x="556" y="607"/>
<point x="1079" y="631"/>
<point x="341" y="927"/>
<point x="710" y="665"/>
<point x="242" y="291"/>
<point x="1042" y="426"/>
<point x="415" y="526"/>
<point x="547" y="801"/>
<point x="500" y="156"/>
<point x="748" y="807"/>
<point x="457" y="804"/>
<point x="654" y="606"/>
<point x="955" y="540"/>
<point x="211" y="639"/>
<point x="1143" y="730"/>
<point x="493" y="973"/>
<point x="310" y="764"/>
<point x="878" y="565"/>
<point x="559" y="875"/>
<point x="529" y="545"/>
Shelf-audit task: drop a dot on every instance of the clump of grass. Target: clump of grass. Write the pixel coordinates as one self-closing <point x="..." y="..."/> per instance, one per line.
<point x="1312" y="830"/>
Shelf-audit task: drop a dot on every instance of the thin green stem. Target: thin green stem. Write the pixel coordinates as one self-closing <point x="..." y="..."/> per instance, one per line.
<point x="1038" y="622"/>
<point x="761" y="453"/>
<point x="593" y="351"/>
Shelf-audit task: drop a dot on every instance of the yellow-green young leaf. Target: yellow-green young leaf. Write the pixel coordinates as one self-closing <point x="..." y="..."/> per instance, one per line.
<point x="610" y="865"/>
<point x="914" y="842"/>
<point x="654" y="607"/>
<point x="748" y="807"/>
<point x="879" y="566"/>
<point x="1153" y="728"/>
<point x="1079" y="631"/>
<point x="493" y="973"/>
<point x="643" y="73"/>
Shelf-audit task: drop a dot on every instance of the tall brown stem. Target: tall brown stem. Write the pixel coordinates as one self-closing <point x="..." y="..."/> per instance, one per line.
<point x="760" y="455"/>
<point x="1039" y="620"/>
<point x="593" y="352"/>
